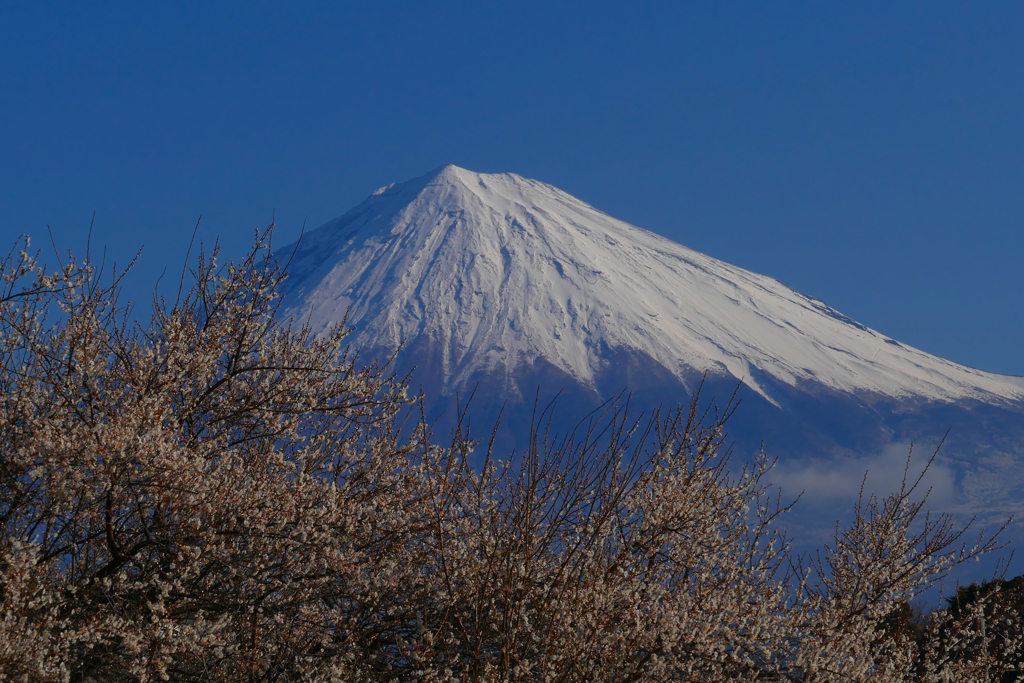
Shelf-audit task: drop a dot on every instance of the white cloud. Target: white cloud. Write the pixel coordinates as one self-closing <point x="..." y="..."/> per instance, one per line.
<point x="839" y="480"/>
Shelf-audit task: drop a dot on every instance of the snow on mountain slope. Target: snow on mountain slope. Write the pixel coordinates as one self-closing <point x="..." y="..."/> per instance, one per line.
<point x="1016" y="381"/>
<point x="498" y="270"/>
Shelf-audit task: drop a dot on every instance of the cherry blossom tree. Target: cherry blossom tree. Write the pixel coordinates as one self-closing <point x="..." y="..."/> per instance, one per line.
<point x="218" y="494"/>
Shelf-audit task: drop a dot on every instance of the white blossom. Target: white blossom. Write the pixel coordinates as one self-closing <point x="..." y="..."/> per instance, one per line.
<point x="216" y="495"/>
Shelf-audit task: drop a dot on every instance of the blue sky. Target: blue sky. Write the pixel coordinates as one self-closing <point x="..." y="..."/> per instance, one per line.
<point x="868" y="154"/>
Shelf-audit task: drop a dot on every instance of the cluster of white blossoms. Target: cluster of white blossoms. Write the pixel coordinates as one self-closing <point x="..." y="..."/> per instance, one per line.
<point x="219" y="496"/>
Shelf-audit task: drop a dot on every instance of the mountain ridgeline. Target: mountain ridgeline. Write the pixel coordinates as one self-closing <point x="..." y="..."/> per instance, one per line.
<point x="499" y="284"/>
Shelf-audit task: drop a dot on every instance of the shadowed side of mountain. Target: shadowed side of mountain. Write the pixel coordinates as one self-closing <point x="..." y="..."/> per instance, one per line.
<point x="828" y="424"/>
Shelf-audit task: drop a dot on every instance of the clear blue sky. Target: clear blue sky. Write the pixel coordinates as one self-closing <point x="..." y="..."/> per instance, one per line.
<point x="868" y="154"/>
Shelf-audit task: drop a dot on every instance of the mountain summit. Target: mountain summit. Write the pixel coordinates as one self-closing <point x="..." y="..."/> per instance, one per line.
<point x="490" y="274"/>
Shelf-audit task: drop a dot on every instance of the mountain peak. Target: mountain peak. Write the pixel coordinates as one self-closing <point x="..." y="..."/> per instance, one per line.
<point x="449" y="183"/>
<point x="451" y="173"/>
<point x="494" y="272"/>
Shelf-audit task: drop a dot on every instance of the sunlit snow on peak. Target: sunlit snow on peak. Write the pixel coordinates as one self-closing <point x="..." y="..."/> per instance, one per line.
<point x="496" y="270"/>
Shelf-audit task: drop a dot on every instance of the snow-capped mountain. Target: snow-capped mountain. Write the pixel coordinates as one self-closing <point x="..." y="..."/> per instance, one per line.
<point x="498" y="285"/>
<point x="496" y="272"/>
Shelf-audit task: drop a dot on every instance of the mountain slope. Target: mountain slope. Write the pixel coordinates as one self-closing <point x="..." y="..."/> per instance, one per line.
<point x="493" y="273"/>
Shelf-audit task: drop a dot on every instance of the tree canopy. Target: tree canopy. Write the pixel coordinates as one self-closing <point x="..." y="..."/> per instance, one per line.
<point x="220" y="495"/>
